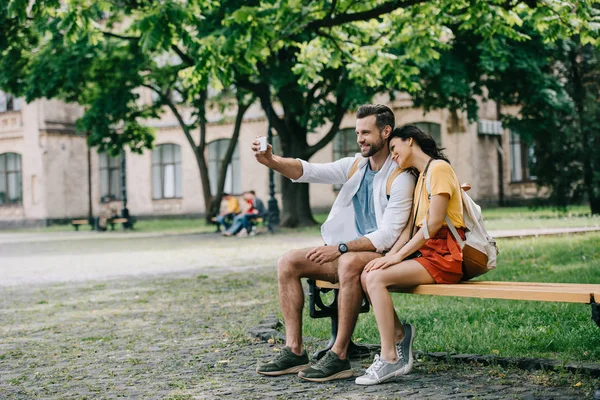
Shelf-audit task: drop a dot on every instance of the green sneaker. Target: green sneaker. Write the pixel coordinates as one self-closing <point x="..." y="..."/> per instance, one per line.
<point x="328" y="368"/>
<point x="285" y="363"/>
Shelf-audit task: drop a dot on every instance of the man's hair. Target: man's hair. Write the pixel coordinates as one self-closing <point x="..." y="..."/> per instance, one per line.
<point x="384" y="115"/>
<point x="252" y="192"/>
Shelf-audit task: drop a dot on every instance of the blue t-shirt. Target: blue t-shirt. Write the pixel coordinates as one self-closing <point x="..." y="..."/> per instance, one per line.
<point x="364" y="211"/>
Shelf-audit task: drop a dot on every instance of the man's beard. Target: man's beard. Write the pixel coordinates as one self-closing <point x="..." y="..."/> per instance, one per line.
<point x="374" y="148"/>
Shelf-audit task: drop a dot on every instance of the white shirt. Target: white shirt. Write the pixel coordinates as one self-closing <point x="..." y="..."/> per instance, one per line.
<point x="391" y="215"/>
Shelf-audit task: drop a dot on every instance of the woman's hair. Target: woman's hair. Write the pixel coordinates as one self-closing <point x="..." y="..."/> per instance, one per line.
<point x="424" y="140"/>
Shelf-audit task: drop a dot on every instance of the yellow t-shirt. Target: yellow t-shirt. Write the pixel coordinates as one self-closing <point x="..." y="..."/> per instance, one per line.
<point x="233" y="205"/>
<point x="443" y="180"/>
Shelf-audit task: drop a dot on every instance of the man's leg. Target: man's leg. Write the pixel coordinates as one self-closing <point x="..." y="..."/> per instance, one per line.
<point x="291" y="267"/>
<point x="238" y="224"/>
<point x="349" y="297"/>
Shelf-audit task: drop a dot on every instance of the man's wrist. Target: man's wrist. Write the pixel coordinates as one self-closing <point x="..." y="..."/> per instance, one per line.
<point x="343" y="248"/>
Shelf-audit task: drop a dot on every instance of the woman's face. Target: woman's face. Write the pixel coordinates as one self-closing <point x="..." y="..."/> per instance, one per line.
<point x="401" y="151"/>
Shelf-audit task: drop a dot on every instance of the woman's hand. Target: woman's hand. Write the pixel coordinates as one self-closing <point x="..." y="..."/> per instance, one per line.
<point x="383" y="262"/>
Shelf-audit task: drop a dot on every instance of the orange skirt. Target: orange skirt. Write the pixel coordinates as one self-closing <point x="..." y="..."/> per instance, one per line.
<point x="442" y="256"/>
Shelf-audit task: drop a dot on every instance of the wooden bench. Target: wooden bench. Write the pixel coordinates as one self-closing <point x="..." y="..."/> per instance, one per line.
<point x="127" y="222"/>
<point x="531" y="291"/>
<point x="77" y="222"/>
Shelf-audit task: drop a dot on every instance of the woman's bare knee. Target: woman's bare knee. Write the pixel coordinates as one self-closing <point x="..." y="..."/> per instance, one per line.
<point x="374" y="280"/>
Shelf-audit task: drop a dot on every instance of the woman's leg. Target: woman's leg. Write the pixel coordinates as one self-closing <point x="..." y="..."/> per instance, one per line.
<point x="406" y="274"/>
<point x="398" y="328"/>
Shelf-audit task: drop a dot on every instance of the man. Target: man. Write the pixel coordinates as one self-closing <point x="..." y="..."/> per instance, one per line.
<point x="233" y="208"/>
<point x="362" y="223"/>
<point x="256" y="209"/>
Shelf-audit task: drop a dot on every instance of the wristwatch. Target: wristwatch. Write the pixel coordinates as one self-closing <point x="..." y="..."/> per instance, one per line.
<point x="342" y="248"/>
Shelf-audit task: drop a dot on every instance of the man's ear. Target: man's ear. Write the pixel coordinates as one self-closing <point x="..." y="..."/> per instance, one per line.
<point x="387" y="131"/>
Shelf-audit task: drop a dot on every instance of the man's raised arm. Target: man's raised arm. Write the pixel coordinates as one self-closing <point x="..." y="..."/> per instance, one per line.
<point x="288" y="167"/>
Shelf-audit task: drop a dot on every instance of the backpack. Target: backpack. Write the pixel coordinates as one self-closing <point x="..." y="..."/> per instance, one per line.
<point x="479" y="248"/>
<point x="390" y="179"/>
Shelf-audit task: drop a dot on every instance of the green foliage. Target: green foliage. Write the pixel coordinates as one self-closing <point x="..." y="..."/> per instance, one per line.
<point x="317" y="59"/>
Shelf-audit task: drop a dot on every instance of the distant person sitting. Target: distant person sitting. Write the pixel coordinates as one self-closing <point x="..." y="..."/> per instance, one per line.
<point x="232" y="209"/>
<point x="255" y="209"/>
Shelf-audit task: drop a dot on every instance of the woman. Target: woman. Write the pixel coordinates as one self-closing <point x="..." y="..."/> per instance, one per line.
<point x="426" y="251"/>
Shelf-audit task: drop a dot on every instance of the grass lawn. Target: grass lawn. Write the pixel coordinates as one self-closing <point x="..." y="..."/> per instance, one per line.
<point x="508" y="328"/>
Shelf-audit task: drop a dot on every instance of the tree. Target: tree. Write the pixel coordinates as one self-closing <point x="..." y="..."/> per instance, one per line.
<point x="97" y="54"/>
<point x="311" y="60"/>
<point x="556" y="87"/>
<point x="319" y="59"/>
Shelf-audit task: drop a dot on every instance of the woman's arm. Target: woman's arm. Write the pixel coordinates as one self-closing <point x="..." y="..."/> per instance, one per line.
<point x="437" y="212"/>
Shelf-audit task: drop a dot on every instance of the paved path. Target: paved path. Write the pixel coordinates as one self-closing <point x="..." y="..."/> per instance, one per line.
<point x="27" y="258"/>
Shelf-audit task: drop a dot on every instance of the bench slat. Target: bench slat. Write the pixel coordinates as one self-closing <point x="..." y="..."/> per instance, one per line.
<point x="537" y="291"/>
<point x="542" y="284"/>
<point x="79" y="221"/>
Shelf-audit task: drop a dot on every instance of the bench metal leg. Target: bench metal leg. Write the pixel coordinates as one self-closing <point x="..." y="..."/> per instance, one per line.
<point x="595" y="312"/>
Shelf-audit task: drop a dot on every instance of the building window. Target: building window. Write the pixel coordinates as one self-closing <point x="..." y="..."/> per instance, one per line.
<point x="8" y="102"/>
<point x="216" y="155"/>
<point x="110" y="177"/>
<point x="166" y="172"/>
<point x="11" y="179"/>
<point x="344" y="145"/>
<point x="433" y="129"/>
<point x="522" y="159"/>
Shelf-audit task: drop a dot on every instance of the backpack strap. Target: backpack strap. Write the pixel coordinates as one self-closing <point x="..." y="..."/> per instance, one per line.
<point x="446" y="218"/>
<point x="390" y="180"/>
<point x="353" y="168"/>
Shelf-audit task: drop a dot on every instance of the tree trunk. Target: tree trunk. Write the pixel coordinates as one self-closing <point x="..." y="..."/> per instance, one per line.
<point x="579" y="96"/>
<point x="296" y="205"/>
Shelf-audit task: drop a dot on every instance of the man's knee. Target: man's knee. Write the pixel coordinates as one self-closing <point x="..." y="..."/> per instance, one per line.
<point x="288" y="265"/>
<point x="349" y="267"/>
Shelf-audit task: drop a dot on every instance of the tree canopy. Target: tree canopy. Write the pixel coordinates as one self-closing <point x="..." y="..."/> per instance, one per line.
<point x="316" y="59"/>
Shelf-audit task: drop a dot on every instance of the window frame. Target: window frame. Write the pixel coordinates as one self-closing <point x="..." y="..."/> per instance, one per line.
<point x="427" y="125"/>
<point x="234" y="168"/>
<point x="5" y="174"/>
<point x="522" y="160"/>
<point x="344" y="151"/>
<point x="108" y="197"/>
<point x="163" y="166"/>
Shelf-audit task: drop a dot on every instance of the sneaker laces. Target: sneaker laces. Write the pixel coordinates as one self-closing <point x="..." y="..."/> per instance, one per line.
<point x="375" y="367"/>
<point x="324" y="360"/>
<point x="400" y="352"/>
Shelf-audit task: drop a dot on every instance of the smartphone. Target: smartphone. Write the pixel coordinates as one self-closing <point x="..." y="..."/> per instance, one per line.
<point x="262" y="143"/>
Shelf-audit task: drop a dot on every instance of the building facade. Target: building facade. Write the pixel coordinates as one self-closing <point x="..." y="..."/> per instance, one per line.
<point x="47" y="172"/>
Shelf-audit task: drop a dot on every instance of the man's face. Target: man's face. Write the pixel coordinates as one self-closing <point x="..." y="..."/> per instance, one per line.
<point x="368" y="136"/>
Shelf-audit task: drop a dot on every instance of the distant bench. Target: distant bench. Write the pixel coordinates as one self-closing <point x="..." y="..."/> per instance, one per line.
<point x="110" y="221"/>
<point x="529" y="291"/>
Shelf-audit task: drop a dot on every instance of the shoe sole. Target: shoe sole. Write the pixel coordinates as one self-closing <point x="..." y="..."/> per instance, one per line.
<point x="291" y="370"/>
<point x="340" y="375"/>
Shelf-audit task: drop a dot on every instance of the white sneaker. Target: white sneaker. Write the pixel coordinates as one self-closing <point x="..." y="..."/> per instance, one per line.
<point x="381" y="370"/>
